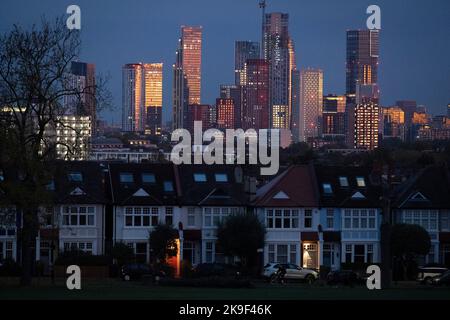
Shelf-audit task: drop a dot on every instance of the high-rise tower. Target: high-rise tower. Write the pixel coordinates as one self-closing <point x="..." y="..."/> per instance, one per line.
<point x="362" y="63"/>
<point x="187" y="73"/>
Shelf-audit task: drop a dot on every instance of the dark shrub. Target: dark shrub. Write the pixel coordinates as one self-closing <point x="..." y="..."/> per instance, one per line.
<point x="324" y="271"/>
<point x="10" y="268"/>
<point x="166" y="269"/>
<point x="122" y="254"/>
<point x="81" y="258"/>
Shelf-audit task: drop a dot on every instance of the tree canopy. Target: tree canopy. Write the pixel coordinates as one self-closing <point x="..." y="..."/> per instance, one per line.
<point x="241" y="235"/>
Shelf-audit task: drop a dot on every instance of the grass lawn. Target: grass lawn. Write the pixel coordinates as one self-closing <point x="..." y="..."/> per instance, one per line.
<point x="117" y="289"/>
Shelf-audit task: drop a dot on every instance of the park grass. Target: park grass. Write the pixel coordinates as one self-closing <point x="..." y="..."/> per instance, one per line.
<point x="112" y="289"/>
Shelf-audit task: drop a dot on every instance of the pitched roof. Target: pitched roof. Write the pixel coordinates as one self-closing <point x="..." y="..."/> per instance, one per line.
<point x="295" y="187"/>
<point x="429" y="188"/>
<point x="90" y="189"/>
<point x="137" y="191"/>
<point x="211" y="191"/>
<point x="347" y="193"/>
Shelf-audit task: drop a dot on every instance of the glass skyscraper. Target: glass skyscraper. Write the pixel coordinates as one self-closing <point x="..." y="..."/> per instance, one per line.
<point x="277" y="49"/>
<point x="362" y="61"/>
<point x="187" y="73"/>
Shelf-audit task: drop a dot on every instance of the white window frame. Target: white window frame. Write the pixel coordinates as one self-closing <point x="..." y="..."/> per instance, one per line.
<point x="191" y="219"/>
<point x="273" y="250"/>
<point x="169" y="212"/>
<point x="369" y="248"/>
<point x="428" y="219"/>
<point x="85" y="246"/>
<point x="329" y="218"/>
<point x="309" y="216"/>
<point x="6" y="249"/>
<point x="360" y="219"/>
<point x="133" y="212"/>
<point x="78" y="213"/>
<point x="289" y="218"/>
<point x="214" y="215"/>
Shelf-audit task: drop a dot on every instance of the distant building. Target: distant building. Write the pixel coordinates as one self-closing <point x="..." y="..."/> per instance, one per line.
<point x="441" y="122"/>
<point x="311" y="103"/>
<point x="334" y="103"/>
<point x="333" y="116"/>
<point x="362" y="61"/>
<point x="82" y="80"/>
<point x="243" y="50"/>
<point x="280" y="116"/>
<point x="142" y="97"/>
<point x="187" y="73"/>
<point x="73" y="134"/>
<point x="408" y="107"/>
<point x="133" y="109"/>
<point x="363" y="126"/>
<point x="333" y="124"/>
<point x="367" y="93"/>
<point x="393" y="123"/>
<point x="225" y="113"/>
<point x="153" y="101"/>
<point x="234" y="92"/>
<point x="255" y="106"/>
<point x="200" y="112"/>
<point x="295" y="105"/>
<point x="277" y="48"/>
<point x="430" y="133"/>
<point x="102" y="143"/>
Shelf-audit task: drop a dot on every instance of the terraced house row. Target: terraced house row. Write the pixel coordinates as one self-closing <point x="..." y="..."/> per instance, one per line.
<point x="314" y="215"/>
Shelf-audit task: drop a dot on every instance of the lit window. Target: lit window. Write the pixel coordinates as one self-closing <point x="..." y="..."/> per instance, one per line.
<point x="360" y="182"/>
<point x="75" y="177"/>
<point x="126" y="178"/>
<point x="148" y="178"/>
<point x="199" y="177"/>
<point x="327" y="188"/>
<point x="343" y="181"/>
<point x="221" y="177"/>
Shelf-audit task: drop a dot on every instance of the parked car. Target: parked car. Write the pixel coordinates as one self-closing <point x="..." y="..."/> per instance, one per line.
<point x="136" y="271"/>
<point x="293" y="272"/>
<point x="345" y="277"/>
<point x="442" y="279"/>
<point x="215" y="269"/>
<point x="426" y="274"/>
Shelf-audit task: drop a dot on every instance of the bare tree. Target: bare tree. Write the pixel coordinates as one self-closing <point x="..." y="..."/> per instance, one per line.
<point x="34" y="83"/>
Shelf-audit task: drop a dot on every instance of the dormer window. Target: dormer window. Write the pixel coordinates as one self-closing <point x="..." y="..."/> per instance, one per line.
<point x="168" y="186"/>
<point x="148" y="178"/>
<point x="360" y="182"/>
<point x="75" y="177"/>
<point x="327" y="188"/>
<point x="199" y="177"/>
<point x="221" y="177"/>
<point x="126" y="178"/>
<point x="343" y="182"/>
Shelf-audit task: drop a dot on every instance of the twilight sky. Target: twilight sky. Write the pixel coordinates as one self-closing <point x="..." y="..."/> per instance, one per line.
<point x="415" y="40"/>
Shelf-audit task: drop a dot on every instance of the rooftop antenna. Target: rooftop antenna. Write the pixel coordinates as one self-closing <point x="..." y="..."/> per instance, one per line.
<point x="262" y="6"/>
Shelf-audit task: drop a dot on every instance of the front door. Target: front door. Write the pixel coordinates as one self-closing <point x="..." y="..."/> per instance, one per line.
<point x="310" y="255"/>
<point x="45" y="256"/>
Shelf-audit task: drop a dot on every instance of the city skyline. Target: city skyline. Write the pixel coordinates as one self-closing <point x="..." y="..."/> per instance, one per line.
<point x="312" y="29"/>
